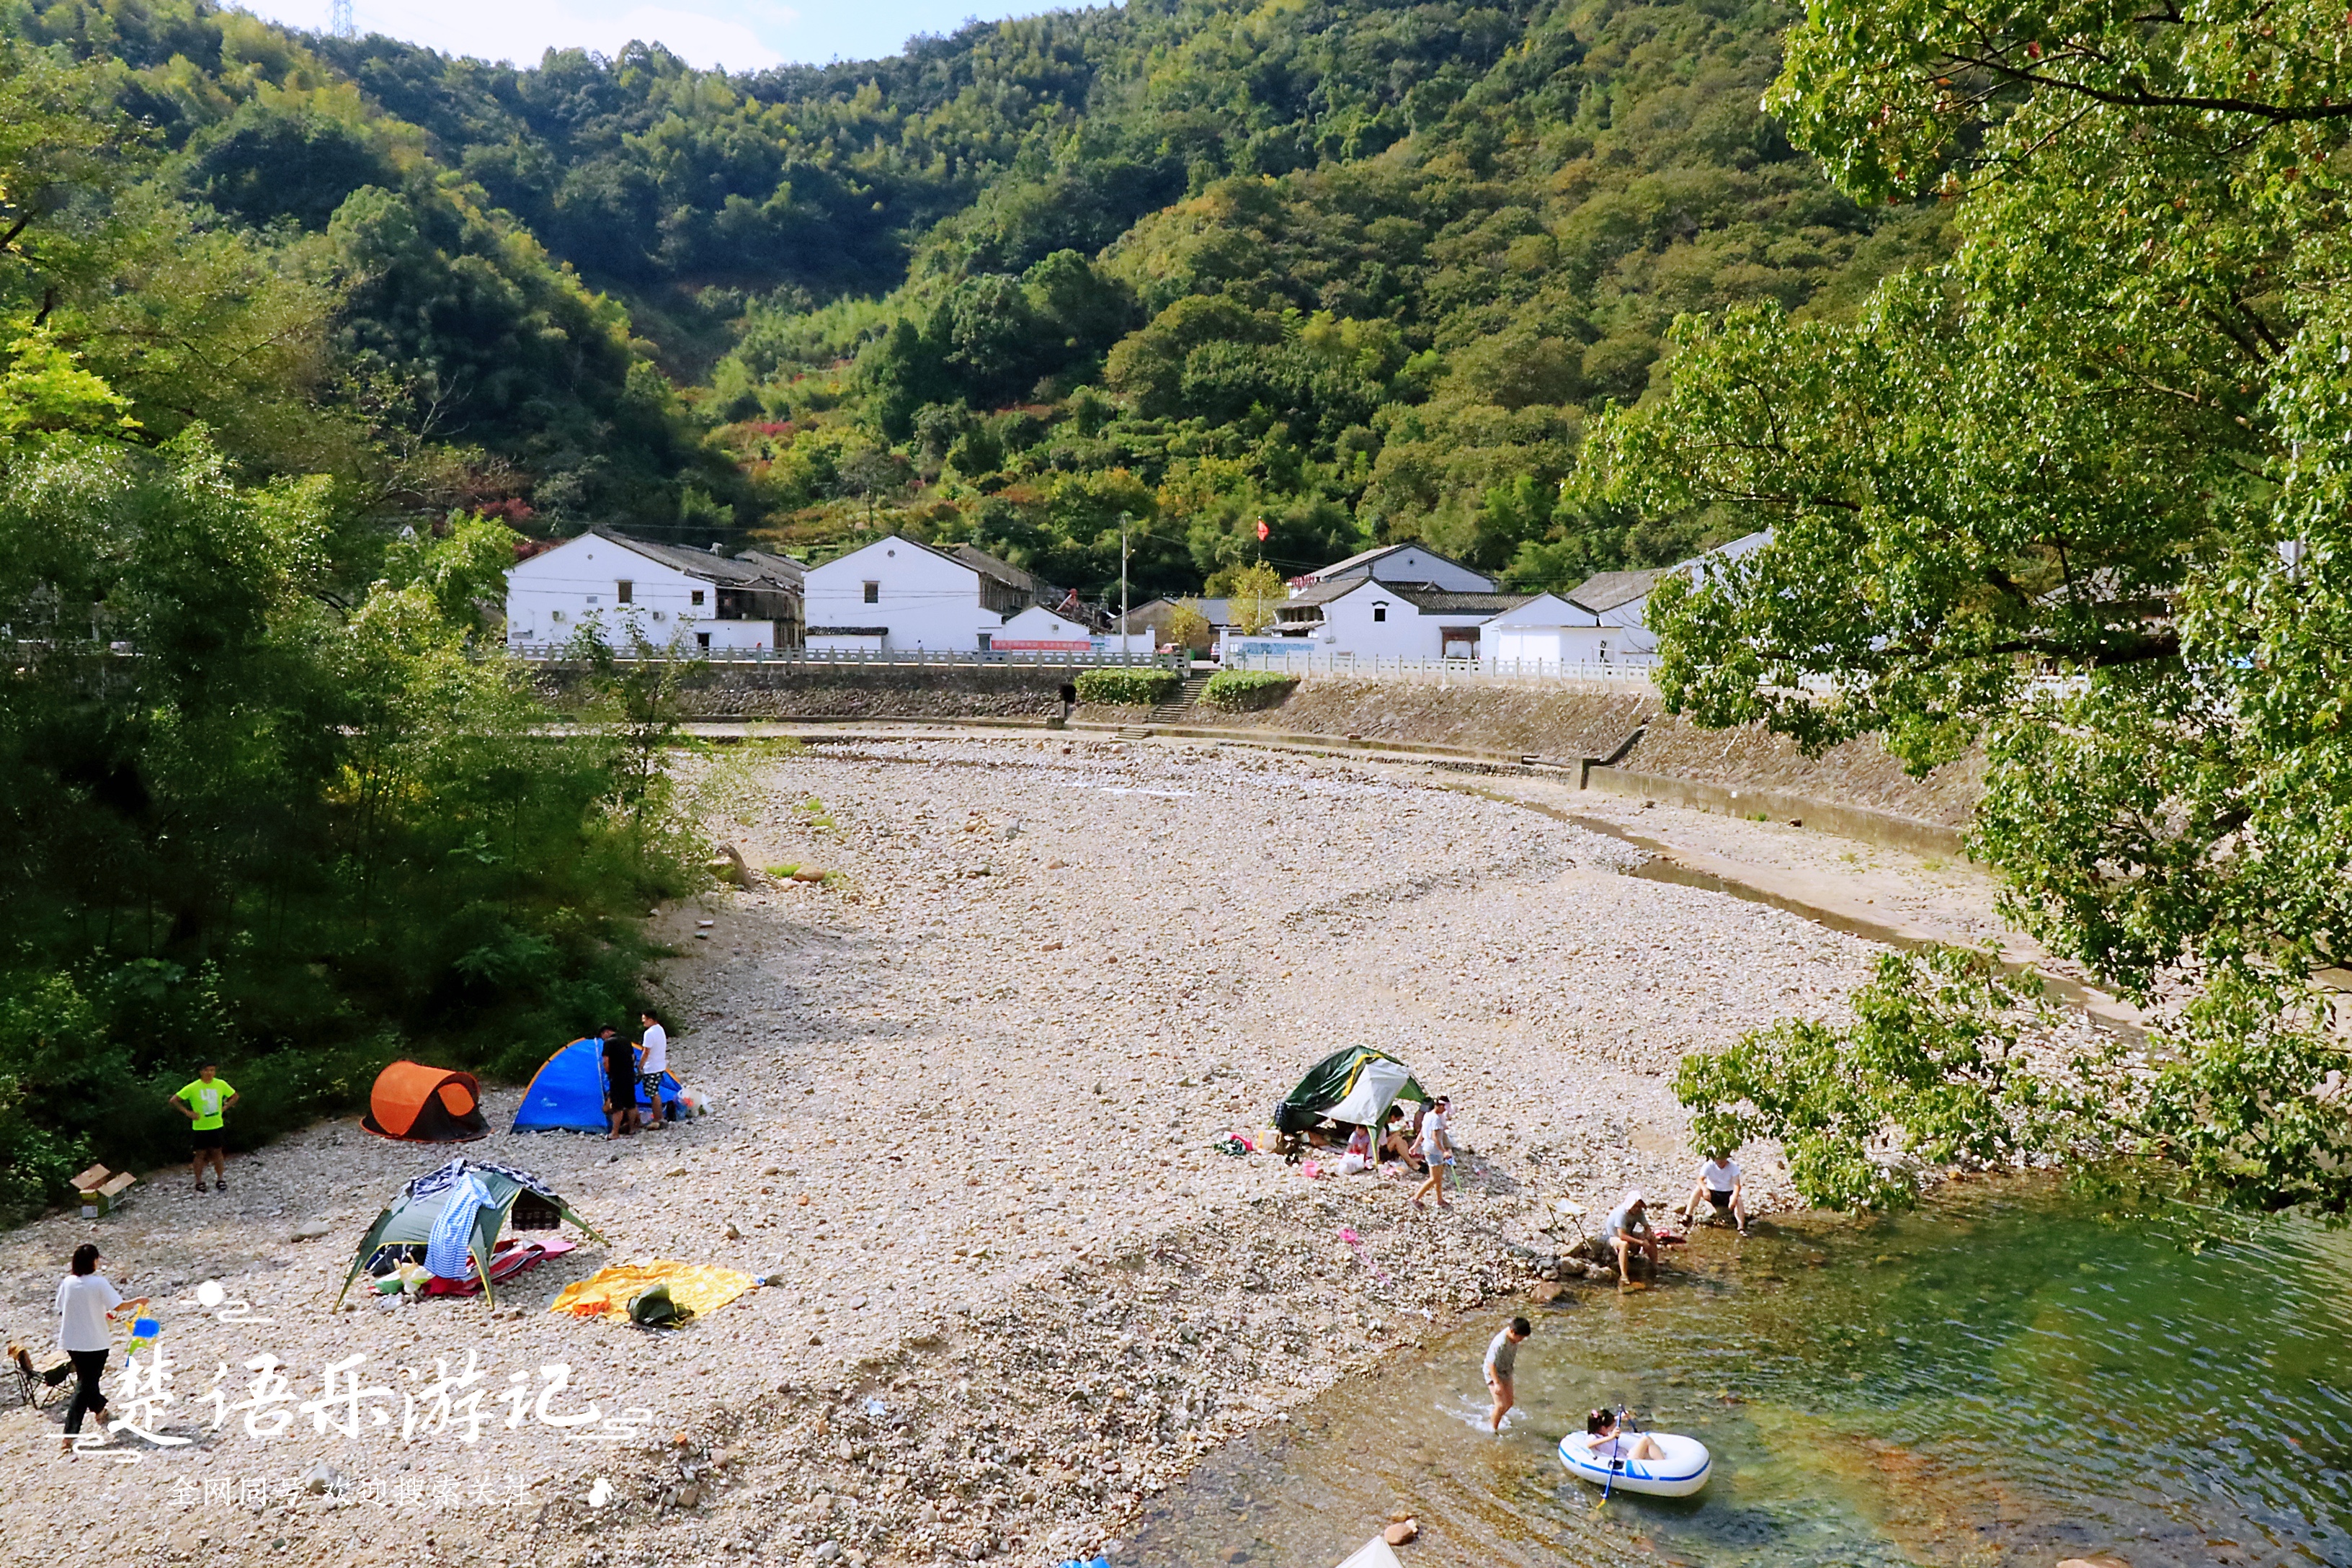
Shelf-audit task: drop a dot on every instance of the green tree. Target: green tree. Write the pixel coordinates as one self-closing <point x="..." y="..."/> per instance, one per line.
<point x="1188" y="627"/>
<point x="1255" y="595"/>
<point x="2081" y="494"/>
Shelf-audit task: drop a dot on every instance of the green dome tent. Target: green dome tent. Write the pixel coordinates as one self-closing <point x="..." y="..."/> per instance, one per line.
<point x="408" y="1219"/>
<point x="1356" y="1085"/>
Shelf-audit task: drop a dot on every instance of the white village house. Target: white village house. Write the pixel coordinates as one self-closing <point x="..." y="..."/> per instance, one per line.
<point x="608" y="585"/>
<point x="895" y="596"/>
<point x="1039" y="630"/>
<point x="1551" y="629"/>
<point x="1366" y="618"/>
<point x="1366" y="607"/>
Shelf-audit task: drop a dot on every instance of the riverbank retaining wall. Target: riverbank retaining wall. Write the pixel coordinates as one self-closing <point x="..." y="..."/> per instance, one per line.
<point x="797" y="690"/>
<point x="1743" y="772"/>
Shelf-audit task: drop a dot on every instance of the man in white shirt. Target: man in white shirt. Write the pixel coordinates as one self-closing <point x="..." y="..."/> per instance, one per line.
<point x="652" y="1062"/>
<point x="1719" y="1185"/>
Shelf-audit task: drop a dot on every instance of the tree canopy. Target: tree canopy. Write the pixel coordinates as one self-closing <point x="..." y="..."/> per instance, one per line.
<point x="2079" y="493"/>
<point x="1360" y="269"/>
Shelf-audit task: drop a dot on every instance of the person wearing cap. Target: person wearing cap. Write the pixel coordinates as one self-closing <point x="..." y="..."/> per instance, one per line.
<point x="1629" y="1231"/>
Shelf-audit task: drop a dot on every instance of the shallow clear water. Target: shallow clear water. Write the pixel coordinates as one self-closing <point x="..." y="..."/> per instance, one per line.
<point x="2008" y="1379"/>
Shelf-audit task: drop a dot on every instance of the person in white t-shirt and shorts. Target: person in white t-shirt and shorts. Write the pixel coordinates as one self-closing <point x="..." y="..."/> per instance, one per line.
<point x="1719" y="1186"/>
<point x="653" y="1060"/>
<point x="1437" y="1149"/>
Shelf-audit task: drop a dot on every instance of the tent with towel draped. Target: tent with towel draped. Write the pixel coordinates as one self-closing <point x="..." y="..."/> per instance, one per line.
<point x="456" y="1213"/>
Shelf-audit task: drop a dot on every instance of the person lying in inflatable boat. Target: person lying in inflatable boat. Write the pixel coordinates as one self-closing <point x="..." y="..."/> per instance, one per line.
<point x="1608" y="1443"/>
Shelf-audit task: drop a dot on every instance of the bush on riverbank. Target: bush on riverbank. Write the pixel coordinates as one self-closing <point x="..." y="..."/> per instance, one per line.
<point x="1128" y="687"/>
<point x="1247" y="690"/>
<point x="296" y="841"/>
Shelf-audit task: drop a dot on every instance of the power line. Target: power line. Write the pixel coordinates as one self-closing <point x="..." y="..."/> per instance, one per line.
<point x="339" y="21"/>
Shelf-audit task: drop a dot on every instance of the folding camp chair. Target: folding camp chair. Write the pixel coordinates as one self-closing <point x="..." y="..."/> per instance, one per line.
<point x="33" y="1387"/>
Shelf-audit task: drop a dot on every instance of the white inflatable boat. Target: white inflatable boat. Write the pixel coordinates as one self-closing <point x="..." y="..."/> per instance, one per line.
<point x="1682" y="1471"/>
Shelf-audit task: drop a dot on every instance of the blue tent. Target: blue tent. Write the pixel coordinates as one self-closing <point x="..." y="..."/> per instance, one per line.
<point x="567" y="1093"/>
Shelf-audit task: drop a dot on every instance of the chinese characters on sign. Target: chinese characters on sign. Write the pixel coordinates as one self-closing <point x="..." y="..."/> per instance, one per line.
<point x="420" y="1405"/>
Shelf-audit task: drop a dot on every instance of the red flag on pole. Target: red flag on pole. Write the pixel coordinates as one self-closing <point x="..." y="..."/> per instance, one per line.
<point x="1263" y="531"/>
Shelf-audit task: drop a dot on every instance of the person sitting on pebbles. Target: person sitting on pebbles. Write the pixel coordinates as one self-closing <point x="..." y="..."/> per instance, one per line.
<point x="1396" y="1143"/>
<point x="1629" y="1232"/>
<point x="1719" y="1186"/>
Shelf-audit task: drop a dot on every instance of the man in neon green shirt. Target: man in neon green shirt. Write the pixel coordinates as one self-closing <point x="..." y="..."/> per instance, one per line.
<point x="203" y="1102"/>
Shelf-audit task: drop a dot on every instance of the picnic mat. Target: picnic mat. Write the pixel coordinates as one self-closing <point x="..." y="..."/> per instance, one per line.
<point x="510" y="1258"/>
<point x="698" y="1287"/>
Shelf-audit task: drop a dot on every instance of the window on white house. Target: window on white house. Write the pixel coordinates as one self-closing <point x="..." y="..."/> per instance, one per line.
<point x="624" y="592"/>
<point x="555" y="614"/>
<point x="873" y="593"/>
<point x="698" y="597"/>
<point x="702" y="639"/>
<point x="1380" y="612"/>
<point x="592" y="598"/>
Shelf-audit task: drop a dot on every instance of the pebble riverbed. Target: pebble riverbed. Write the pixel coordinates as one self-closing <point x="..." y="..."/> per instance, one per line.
<point x="964" y="1095"/>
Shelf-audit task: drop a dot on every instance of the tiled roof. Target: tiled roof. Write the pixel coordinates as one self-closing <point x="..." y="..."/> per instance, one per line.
<point x="703" y="563"/>
<point x="981" y="560"/>
<point x="1607" y="590"/>
<point x="1364" y="558"/>
<point x="1445" y="602"/>
<point x="782" y="568"/>
<point x="1324" y="592"/>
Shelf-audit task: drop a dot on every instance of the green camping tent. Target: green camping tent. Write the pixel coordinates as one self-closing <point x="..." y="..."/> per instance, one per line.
<point x="408" y="1219"/>
<point x="1356" y="1085"/>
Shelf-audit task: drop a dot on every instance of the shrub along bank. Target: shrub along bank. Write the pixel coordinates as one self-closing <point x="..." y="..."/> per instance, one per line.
<point x="1246" y="691"/>
<point x="1128" y="687"/>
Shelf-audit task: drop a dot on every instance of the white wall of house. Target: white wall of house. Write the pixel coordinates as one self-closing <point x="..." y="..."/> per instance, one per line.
<point x="595" y="583"/>
<point x="1550" y="630"/>
<point x="1374" y="622"/>
<point x="1039" y="630"/>
<point x="847" y="642"/>
<point x="920" y="599"/>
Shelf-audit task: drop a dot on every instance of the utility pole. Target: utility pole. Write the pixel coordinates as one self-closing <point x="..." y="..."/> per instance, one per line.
<point x="1123" y="520"/>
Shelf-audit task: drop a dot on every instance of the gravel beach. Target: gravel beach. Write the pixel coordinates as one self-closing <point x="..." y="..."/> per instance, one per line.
<point x="964" y="1093"/>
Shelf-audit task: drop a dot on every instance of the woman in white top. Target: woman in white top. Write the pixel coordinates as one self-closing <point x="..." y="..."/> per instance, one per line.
<point x="87" y="1301"/>
<point x="1719" y="1185"/>
<point x="1437" y="1148"/>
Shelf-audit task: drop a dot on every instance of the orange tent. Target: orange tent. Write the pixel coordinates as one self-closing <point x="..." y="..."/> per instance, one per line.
<point x="426" y="1105"/>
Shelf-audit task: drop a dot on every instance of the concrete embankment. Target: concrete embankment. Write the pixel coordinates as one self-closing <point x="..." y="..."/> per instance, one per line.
<point x="1856" y="790"/>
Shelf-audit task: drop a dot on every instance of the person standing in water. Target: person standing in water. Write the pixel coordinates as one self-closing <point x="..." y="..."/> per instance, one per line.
<point x="1501" y="1357"/>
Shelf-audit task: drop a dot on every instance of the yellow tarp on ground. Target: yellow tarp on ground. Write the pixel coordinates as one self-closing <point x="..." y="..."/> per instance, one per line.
<point x="698" y="1287"/>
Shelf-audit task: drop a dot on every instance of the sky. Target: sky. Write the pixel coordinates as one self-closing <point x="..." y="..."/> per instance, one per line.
<point x="740" y="35"/>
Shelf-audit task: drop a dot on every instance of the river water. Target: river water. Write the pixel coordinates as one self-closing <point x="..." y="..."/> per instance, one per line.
<point x="2006" y="1378"/>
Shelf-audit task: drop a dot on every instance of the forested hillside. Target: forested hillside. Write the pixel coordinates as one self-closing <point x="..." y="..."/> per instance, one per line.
<point x="1359" y="270"/>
